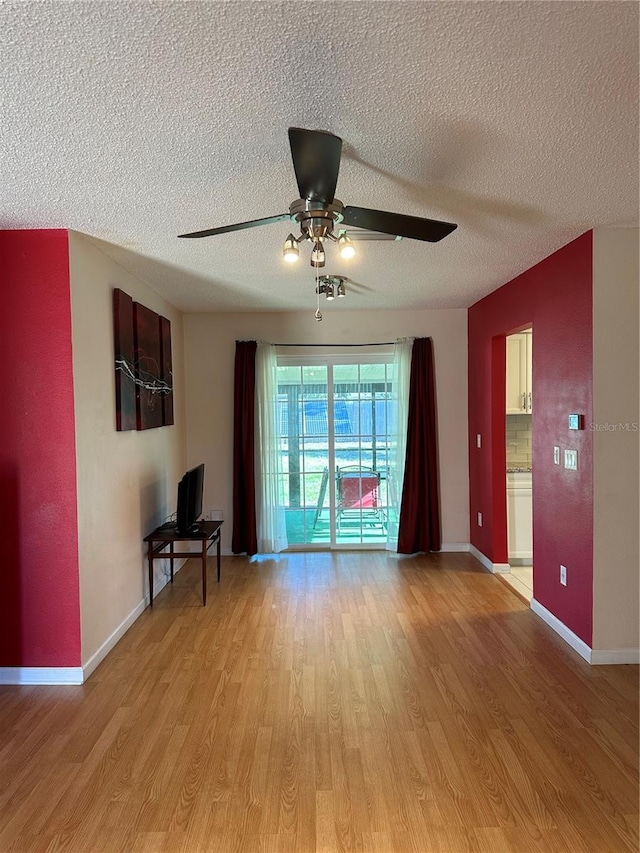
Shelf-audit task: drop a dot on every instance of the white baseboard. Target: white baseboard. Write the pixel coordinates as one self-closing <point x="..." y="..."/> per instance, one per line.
<point x="495" y="568"/>
<point x="41" y="675"/>
<point x="124" y="626"/>
<point x="596" y="657"/>
<point x="75" y="675"/>
<point x="98" y="656"/>
<point x="561" y="629"/>
<point x="455" y="547"/>
<point x="614" y="656"/>
<point x="521" y="558"/>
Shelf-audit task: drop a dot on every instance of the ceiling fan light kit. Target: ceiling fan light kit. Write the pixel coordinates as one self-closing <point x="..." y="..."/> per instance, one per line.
<point x="316" y="229"/>
<point x="345" y="246"/>
<point x="290" y="251"/>
<point x="316" y="162"/>
<point x="317" y="255"/>
<point x="331" y="286"/>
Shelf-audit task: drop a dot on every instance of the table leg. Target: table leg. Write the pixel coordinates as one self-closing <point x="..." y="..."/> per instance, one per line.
<point x="150" y="557"/>
<point x="218" y="555"/>
<point x="204" y="571"/>
<point x="171" y="559"/>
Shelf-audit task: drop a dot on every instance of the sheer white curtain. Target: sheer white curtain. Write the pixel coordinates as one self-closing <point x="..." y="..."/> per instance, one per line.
<point x="270" y="517"/>
<point x="398" y="438"/>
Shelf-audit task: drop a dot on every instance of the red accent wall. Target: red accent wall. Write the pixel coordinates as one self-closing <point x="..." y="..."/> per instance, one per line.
<point x="555" y="297"/>
<point x="40" y="600"/>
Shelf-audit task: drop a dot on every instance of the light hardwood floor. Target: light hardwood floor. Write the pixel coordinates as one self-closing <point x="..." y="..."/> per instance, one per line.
<point x="520" y="578"/>
<point x="328" y="702"/>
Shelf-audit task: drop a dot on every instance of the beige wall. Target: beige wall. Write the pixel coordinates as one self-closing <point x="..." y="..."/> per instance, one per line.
<point x="615" y="452"/>
<point x="209" y="358"/>
<point x="127" y="481"/>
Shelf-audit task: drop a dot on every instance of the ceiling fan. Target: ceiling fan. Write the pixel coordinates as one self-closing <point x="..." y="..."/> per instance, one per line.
<point x="316" y="162"/>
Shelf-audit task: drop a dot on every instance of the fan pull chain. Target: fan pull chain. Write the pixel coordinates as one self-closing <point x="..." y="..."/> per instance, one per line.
<point x="318" y="314"/>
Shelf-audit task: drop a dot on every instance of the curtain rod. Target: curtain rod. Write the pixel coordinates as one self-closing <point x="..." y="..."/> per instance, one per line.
<point x="383" y="344"/>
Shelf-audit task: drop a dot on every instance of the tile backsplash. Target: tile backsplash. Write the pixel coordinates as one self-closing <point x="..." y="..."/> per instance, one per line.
<point x="519" y="441"/>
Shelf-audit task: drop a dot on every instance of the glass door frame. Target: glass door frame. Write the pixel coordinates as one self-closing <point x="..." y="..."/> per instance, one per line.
<point x="329" y="358"/>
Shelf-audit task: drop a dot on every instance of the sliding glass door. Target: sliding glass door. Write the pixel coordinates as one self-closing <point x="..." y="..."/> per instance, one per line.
<point x="304" y="444"/>
<point x="361" y="406"/>
<point x="335" y="432"/>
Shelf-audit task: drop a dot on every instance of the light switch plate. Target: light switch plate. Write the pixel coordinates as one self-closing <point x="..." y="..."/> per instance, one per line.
<point x="571" y="460"/>
<point x="556" y="455"/>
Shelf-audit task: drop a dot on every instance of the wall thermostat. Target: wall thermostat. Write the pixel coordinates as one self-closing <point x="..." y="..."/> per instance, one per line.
<point x="575" y="422"/>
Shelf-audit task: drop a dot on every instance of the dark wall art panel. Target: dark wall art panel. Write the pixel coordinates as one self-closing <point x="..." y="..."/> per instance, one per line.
<point x="147" y="353"/>
<point x="167" y="371"/>
<point x="144" y="375"/>
<point x="124" y="361"/>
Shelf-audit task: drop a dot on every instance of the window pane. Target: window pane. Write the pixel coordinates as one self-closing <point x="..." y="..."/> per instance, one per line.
<point x="316" y="375"/>
<point x="315" y="417"/>
<point x="290" y="375"/>
<point x="372" y="373"/>
<point x="366" y="457"/>
<point x="315" y="457"/>
<point x="346" y="414"/>
<point x="345" y="373"/>
<point x="347" y="457"/>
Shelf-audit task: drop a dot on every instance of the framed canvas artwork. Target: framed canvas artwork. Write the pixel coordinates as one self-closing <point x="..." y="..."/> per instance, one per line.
<point x="143" y="369"/>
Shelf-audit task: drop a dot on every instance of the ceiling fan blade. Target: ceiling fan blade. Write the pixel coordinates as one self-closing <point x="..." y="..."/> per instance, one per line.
<point x="412" y="227"/>
<point x="239" y="226"/>
<point x="360" y="234"/>
<point x="316" y="161"/>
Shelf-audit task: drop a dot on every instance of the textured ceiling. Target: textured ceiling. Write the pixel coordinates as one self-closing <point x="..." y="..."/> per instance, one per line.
<point x="134" y="122"/>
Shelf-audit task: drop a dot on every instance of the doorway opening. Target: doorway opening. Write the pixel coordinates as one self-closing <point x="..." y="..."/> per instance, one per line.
<point x="519" y="461"/>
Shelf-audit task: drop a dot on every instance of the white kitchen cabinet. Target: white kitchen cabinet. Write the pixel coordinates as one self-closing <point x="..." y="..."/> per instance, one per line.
<point x="520" y="517"/>
<point x="519" y="390"/>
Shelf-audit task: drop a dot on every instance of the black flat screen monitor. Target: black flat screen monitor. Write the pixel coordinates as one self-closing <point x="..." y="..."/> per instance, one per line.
<point x="190" y="490"/>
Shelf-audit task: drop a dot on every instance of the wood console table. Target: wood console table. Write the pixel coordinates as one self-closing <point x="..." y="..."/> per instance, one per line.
<point x="207" y="534"/>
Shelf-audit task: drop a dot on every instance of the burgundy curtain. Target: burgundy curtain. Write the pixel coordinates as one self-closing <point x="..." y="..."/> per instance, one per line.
<point x="245" y="538"/>
<point x="419" y="528"/>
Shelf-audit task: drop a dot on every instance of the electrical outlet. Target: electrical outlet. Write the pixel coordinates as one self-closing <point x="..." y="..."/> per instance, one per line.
<point x="478" y="440"/>
<point x="479" y="519"/>
<point x="563" y="575"/>
<point x="556" y="455"/>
